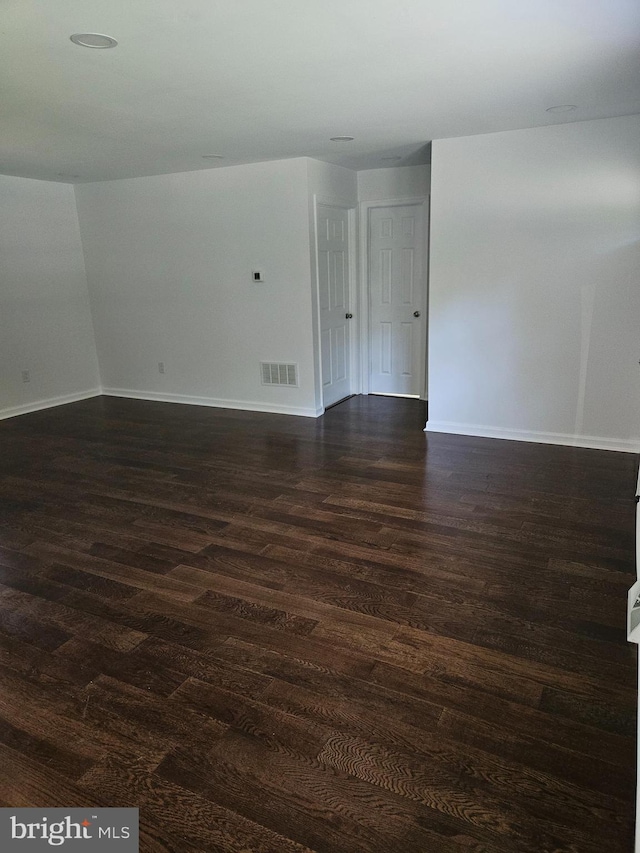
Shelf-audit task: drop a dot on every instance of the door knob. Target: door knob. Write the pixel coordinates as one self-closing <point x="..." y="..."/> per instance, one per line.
<point x="348" y="316"/>
<point x="416" y="313"/>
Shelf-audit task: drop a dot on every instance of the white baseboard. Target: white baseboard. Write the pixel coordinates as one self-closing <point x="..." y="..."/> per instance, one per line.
<point x="591" y="441"/>
<point x="212" y="402"/>
<point x="38" y="405"/>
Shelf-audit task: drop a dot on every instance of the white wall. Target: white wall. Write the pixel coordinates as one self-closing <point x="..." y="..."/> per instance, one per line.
<point x="394" y="183"/>
<point x="534" y="290"/>
<point x="169" y="262"/>
<point x="334" y="185"/>
<point x="45" y="322"/>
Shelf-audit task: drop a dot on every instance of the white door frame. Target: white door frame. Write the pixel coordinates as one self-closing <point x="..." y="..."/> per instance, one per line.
<point x="355" y="363"/>
<point x="365" y="208"/>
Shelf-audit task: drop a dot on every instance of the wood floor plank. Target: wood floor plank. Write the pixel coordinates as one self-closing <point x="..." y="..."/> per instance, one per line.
<point x="347" y="682"/>
<point x="133" y="667"/>
<point x="272" y="633"/>
<point x="128" y="575"/>
<point x="179" y="812"/>
<point x="151" y="716"/>
<point x="57" y="615"/>
<point x="62" y="716"/>
<point x="27" y="782"/>
<point x="319" y="808"/>
<point x="513" y="717"/>
<point x="442" y="791"/>
<point x="594" y="773"/>
<point x="292" y="598"/>
<point x="549" y="795"/>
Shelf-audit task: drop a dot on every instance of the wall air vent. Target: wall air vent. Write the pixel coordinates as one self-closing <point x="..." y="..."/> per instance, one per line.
<point x="279" y="374"/>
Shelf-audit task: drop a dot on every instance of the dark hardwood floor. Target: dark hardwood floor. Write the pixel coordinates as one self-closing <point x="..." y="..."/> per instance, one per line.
<point x="340" y="635"/>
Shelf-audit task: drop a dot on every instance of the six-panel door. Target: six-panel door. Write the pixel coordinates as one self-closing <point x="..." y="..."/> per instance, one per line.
<point x="333" y="286"/>
<point x="396" y="300"/>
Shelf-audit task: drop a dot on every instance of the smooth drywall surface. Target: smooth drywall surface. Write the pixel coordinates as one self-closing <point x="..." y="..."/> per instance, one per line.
<point x="45" y="322"/>
<point x="392" y="184"/>
<point x="170" y="262"/>
<point x="336" y="185"/>
<point x="534" y="289"/>
<point x="332" y="184"/>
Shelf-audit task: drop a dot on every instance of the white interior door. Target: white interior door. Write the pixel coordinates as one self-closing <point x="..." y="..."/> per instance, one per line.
<point x="333" y="285"/>
<point x="397" y="300"/>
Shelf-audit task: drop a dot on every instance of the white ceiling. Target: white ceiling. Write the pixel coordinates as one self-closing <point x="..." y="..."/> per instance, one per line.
<point x="269" y="79"/>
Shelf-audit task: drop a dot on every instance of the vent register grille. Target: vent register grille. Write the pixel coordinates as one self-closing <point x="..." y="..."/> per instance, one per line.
<point x="279" y="374"/>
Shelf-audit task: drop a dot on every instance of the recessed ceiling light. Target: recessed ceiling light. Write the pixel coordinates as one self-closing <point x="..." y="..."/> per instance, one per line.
<point x="341" y="138"/>
<point x="391" y="158"/>
<point x="94" y="40"/>
<point x="213" y="156"/>
<point x="64" y="175"/>
<point x="562" y="108"/>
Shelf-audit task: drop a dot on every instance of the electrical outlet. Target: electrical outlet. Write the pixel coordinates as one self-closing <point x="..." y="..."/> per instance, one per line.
<point x="26" y="376"/>
<point x="161" y="367"/>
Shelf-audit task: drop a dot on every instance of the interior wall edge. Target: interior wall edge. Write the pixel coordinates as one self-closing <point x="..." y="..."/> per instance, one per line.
<point x="214" y="402"/>
<point x="593" y="442"/>
<point x="50" y="403"/>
